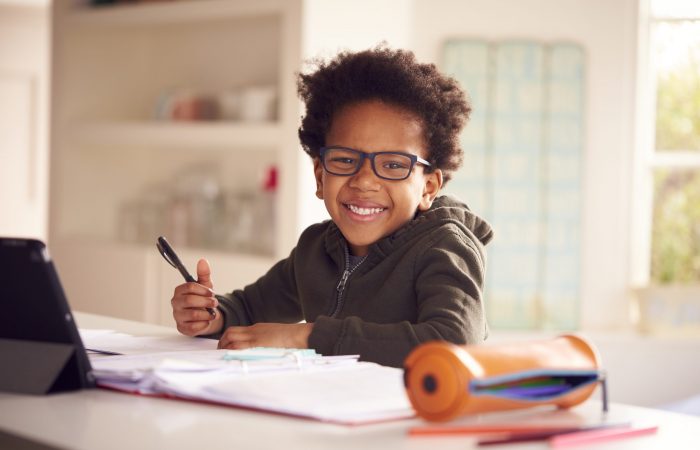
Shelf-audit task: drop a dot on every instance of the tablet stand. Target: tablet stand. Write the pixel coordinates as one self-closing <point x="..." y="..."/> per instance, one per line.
<point x="32" y="367"/>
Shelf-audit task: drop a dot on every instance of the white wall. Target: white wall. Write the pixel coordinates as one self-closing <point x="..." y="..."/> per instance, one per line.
<point x="23" y="119"/>
<point x="649" y="371"/>
<point x="641" y="370"/>
<point x="607" y="31"/>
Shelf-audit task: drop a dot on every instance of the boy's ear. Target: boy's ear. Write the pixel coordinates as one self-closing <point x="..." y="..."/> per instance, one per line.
<point x="318" y="173"/>
<point x="433" y="184"/>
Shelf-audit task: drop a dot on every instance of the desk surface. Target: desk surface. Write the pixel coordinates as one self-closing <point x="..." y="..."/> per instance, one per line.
<point x="97" y="418"/>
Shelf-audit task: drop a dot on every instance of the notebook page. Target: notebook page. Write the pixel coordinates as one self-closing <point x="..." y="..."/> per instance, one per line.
<point x="358" y="393"/>
<point x="127" y="344"/>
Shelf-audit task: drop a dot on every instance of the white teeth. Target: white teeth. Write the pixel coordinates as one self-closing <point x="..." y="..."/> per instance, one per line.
<point x="364" y="211"/>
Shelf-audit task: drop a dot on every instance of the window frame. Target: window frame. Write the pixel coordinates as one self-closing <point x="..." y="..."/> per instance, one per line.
<point x="648" y="158"/>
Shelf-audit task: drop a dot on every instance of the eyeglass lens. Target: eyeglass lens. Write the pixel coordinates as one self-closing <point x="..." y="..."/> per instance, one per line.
<point x="387" y="165"/>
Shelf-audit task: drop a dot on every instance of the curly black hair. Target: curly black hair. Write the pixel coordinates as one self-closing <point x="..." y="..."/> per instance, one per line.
<point x="396" y="78"/>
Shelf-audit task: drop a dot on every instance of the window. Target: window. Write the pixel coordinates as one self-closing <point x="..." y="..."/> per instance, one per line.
<point x="522" y="172"/>
<point x="673" y="162"/>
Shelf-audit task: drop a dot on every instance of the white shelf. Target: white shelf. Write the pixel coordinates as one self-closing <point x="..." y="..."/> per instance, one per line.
<point x="227" y="135"/>
<point x="181" y="11"/>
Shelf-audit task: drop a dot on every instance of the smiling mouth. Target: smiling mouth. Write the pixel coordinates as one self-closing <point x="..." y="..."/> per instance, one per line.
<point x="363" y="211"/>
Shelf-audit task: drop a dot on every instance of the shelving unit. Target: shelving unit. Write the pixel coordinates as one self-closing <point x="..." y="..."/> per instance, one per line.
<point x="111" y="156"/>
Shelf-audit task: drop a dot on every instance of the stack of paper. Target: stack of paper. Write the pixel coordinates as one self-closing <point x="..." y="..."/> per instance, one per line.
<point x="297" y="382"/>
<point x="111" y="342"/>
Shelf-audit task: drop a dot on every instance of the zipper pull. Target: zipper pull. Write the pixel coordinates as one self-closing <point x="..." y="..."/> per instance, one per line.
<point x="343" y="280"/>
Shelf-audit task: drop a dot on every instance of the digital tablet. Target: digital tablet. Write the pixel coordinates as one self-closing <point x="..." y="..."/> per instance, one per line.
<point x="40" y="347"/>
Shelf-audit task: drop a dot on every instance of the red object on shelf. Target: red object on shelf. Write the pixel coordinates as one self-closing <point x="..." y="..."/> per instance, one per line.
<point x="270" y="184"/>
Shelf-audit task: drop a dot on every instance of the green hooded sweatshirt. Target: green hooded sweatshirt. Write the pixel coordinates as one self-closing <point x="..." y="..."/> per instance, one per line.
<point x="422" y="283"/>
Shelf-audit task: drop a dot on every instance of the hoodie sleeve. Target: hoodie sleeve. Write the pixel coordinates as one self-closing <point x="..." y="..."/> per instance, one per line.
<point x="272" y="298"/>
<point x="449" y="277"/>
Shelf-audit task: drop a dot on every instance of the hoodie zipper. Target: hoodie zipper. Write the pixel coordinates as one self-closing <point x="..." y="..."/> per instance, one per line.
<point x="340" y="288"/>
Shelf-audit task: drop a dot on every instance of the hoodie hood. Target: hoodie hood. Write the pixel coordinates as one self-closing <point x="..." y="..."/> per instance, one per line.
<point x="445" y="210"/>
<point x="448" y="208"/>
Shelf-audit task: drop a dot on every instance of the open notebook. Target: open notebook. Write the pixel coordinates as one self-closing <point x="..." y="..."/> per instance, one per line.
<point x="301" y="383"/>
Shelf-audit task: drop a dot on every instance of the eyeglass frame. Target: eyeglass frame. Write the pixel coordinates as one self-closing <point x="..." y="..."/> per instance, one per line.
<point x="415" y="159"/>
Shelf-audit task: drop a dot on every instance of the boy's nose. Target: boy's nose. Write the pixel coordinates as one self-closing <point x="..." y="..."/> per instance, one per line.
<point x="365" y="178"/>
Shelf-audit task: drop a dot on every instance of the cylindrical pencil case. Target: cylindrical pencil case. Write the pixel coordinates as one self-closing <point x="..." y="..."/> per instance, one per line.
<point x="444" y="381"/>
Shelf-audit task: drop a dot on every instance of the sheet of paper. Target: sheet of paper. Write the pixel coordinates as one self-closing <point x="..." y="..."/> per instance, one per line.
<point x="104" y="340"/>
<point x="135" y="367"/>
<point x="93" y="333"/>
<point x="361" y="393"/>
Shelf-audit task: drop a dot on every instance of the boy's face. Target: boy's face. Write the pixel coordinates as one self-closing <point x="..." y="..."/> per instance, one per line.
<point x="365" y="207"/>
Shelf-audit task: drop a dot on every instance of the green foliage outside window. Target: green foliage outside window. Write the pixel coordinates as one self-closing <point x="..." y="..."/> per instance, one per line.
<point x="678" y="107"/>
<point x="676" y="222"/>
<point x="676" y="231"/>
<point x="678" y="86"/>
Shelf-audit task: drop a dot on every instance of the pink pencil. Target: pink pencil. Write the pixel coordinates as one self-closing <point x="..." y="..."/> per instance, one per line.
<point x="594" y="436"/>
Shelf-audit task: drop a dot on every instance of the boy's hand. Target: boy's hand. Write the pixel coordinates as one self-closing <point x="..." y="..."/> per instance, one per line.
<point x="286" y="335"/>
<point x="190" y="300"/>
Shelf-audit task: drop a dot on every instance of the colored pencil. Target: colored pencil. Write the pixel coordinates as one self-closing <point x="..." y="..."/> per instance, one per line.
<point x="483" y="428"/>
<point x="597" y="436"/>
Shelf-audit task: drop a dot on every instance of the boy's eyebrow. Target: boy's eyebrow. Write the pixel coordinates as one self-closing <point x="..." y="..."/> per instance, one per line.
<point x="395" y="150"/>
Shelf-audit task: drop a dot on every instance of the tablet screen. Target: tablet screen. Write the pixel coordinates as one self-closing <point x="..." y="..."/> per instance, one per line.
<point x="33" y="304"/>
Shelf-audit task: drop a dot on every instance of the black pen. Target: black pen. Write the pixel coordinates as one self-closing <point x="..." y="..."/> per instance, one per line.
<point x="171" y="257"/>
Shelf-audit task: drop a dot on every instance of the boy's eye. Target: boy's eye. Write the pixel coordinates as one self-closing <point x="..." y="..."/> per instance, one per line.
<point x="395" y="165"/>
<point x="394" y="162"/>
<point x="343" y="161"/>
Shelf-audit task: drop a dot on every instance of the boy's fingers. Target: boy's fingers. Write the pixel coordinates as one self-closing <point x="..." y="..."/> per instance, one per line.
<point x="234" y="344"/>
<point x="235" y="337"/>
<point x="197" y="315"/>
<point x="198" y="301"/>
<point x="191" y="315"/>
<point x="192" y="328"/>
<point x="204" y="273"/>
<point x="193" y="288"/>
<point x="196" y="327"/>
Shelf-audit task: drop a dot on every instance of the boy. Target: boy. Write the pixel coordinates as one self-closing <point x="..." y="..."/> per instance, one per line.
<point x="397" y="265"/>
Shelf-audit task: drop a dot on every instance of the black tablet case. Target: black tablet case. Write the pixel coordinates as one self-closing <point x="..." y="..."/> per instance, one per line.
<point x="40" y="348"/>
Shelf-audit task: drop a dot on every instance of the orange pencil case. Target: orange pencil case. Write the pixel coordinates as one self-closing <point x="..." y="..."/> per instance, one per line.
<point x="444" y="381"/>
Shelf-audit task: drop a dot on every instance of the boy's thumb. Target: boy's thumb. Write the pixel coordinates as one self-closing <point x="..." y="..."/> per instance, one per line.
<point x="204" y="273"/>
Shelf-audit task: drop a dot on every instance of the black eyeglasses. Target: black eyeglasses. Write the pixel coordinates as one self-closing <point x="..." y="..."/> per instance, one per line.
<point x="343" y="161"/>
